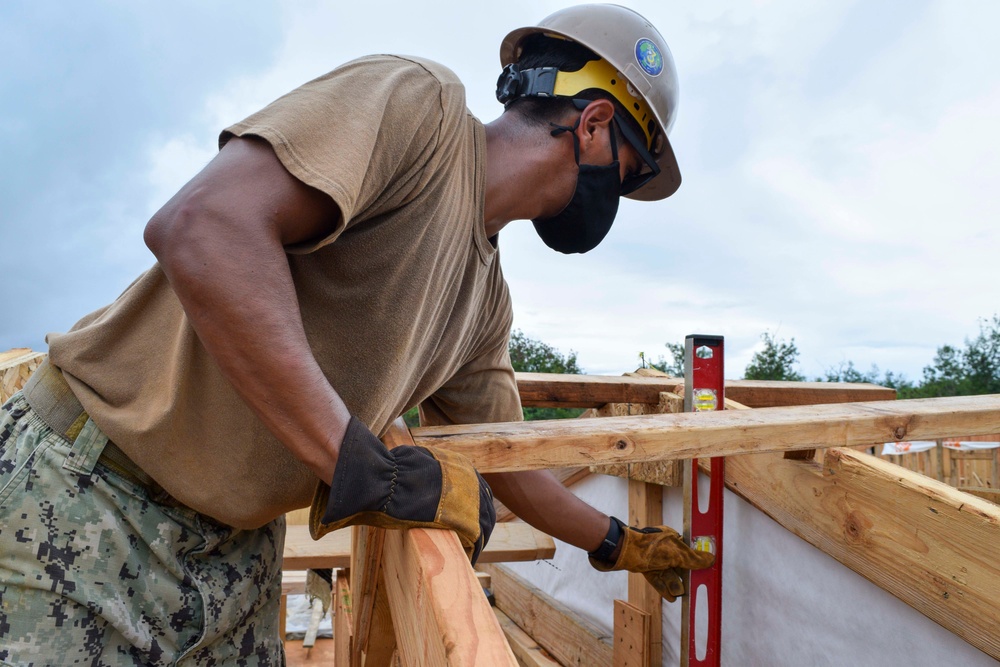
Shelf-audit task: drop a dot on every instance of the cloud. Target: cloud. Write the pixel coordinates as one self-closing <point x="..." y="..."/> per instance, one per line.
<point x="838" y="161"/>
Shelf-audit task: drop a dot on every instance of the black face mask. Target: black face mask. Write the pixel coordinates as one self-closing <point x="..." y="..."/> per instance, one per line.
<point x="588" y="216"/>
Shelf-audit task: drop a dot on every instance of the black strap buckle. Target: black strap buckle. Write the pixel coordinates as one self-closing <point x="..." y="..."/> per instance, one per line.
<point x="515" y="82"/>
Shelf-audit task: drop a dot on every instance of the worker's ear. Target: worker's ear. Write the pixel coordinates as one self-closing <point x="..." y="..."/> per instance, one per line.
<point x="595" y="122"/>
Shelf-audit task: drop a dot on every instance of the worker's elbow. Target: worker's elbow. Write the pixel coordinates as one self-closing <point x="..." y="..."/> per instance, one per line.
<point x="169" y="229"/>
<point x="155" y="234"/>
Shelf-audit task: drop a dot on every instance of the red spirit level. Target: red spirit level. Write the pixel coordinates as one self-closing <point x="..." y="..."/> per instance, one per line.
<point x="704" y="389"/>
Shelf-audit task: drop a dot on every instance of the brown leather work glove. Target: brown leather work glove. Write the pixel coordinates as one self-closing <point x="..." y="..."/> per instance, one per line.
<point x="658" y="553"/>
<point x="404" y="487"/>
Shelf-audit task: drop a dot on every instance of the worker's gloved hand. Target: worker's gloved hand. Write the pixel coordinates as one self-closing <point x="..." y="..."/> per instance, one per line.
<point x="404" y="487"/>
<point x="658" y="553"/>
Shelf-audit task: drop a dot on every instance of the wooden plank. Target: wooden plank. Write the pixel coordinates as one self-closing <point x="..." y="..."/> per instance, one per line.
<point x="664" y="473"/>
<point x="632" y="626"/>
<point x="439" y="610"/>
<point x="374" y="637"/>
<point x="17" y="355"/>
<point x="303" y="553"/>
<point x="293" y="582"/>
<point x="557" y="443"/>
<point x="343" y="623"/>
<point x="570" y="639"/>
<point x="984" y="492"/>
<point x="592" y="391"/>
<point x="510" y="542"/>
<point x="526" y="650"/>
<point x="645" y="508"/>
<point x="282" y="616"/>
<point x="16" y="366"/>
<point x="928" y="544"/>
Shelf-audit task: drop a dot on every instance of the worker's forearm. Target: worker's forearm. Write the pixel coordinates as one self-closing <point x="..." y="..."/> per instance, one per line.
<point x="540" y="499"/>
<point x="237" y="291"/>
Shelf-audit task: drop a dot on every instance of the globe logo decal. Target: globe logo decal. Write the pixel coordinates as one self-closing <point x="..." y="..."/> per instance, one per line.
<point x="648" y="57"/>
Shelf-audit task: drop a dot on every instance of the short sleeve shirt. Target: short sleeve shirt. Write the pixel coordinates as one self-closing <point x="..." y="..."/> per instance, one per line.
<point x="403" y="303"/>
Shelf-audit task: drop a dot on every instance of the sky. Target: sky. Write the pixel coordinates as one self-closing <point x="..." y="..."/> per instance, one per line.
<point x="838" y="161"/>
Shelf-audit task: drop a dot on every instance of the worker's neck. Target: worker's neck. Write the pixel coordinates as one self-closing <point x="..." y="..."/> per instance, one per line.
<point x="524" y="173"/>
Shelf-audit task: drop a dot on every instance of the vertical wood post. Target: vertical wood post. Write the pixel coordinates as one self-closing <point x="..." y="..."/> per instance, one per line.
<point x="645" y="508"/>
<point x="632" y="627"/>
<point x="343" y="625"/>
<point x="374" y="637"/>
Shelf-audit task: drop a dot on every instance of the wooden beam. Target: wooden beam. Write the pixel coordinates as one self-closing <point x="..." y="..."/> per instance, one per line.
<point x="930" y="545"/>
<point x="343" y="625"/>
<point x="510" y="542"/>
<point x="645" y="508"/>
<point x="303" y="553"/>
<point x="569" y="638"/>
<point x="16" y="366"/>
<point x="374" y="637"/>
<point x="984" y="492"/>
<point x="526" y="650"/>
<point x="557" y="443"/>
<point x="438" y="607"/>
<point x="664" y="473"/>
<point x="439" y="611"/>
<point x="592" y="391"/>
<point x="632" y="626"/>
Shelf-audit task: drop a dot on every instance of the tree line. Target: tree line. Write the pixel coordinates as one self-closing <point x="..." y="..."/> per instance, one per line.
<point x="967" y="370"/>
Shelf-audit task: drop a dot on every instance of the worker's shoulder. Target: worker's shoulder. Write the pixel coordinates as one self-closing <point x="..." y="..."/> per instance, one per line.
<point x="413" y="65"/>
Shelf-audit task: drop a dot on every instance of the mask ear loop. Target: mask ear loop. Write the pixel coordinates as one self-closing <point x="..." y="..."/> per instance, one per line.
<point x="614" y="141"/>
<point x="576" y="140"/>
<point x="572" y="130"/>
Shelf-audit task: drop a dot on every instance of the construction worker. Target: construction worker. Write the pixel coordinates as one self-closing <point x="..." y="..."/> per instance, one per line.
<point x="334" y="265"/>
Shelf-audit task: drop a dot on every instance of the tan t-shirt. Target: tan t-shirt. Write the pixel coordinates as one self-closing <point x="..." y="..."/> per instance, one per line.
<point x="403" y="303"/>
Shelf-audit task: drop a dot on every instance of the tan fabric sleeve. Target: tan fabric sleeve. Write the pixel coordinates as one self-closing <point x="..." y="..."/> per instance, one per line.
<point x="361" y="134"/>
<point x="484" y="391"/>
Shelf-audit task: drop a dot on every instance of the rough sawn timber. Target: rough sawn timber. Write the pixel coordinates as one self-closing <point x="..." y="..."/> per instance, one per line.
<point x="557" y="443"/>
<point x="16" y="366"/>
<point x="552" y="390"/>
<point x="439" y="612"/>
<point x="930" y="545"/>
<point x="526" y="650"/>
<point x="510" y="542"/>
<point x="570" y="639"/>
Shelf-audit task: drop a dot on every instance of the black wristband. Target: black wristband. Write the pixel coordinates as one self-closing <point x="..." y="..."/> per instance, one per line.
<point x="610" y="543"/>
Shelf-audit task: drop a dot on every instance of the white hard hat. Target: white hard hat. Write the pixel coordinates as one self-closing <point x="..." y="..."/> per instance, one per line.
<point x="630" y="48"/>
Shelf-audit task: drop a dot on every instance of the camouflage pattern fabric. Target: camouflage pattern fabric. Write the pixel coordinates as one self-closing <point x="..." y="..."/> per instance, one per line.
<point x="93" y="572"/>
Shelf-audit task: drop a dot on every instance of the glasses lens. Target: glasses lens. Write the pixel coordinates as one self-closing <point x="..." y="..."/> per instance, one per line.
<point x="633" y="183"/>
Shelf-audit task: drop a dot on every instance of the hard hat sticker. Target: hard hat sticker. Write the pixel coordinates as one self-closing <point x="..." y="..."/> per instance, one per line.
<point x="648" y="57"/>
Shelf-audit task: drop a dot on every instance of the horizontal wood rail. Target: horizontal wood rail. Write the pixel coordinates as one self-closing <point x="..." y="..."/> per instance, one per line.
<point x="551" y="390"/>
<point x="573" y="442"/>
<point x="510" y="542"/>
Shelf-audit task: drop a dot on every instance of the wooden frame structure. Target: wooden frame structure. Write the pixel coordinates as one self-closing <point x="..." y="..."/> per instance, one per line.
<point x="415" y="599"/>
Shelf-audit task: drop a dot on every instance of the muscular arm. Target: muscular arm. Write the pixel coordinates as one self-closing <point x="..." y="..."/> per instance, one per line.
<point x="220" y="243"/>
<point x="537" y="497"/>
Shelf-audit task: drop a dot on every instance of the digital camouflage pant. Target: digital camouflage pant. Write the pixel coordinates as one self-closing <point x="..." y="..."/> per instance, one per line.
<point x="93" y="572"/>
